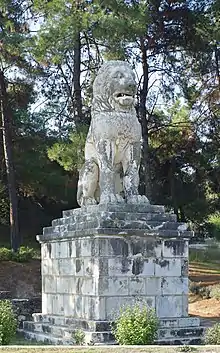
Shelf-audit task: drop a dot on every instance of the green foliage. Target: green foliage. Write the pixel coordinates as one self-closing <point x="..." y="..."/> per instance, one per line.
<point x="79" y="337"/>
<point x="205" y="292"/>
<point x="197" y="289"/>
<point x="212" y="335"/>
<point x="4" y="209"/>
<point x="24" y="254"/>
<point x="194" y="288"/>
<point x="180" y="40"/>
<point x="214" y="225"/>
<point x="6" y="254"/>
<point x="176" y="177"/>
<point x="70" y="155"/>
<point x="8" y="323"/>
<point x="4" y="204"/>
<point x="136" y="326"/>
<point x="215" y="292"/>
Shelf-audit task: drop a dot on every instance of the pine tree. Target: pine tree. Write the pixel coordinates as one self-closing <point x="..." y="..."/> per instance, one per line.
<point x="13" y="28"/>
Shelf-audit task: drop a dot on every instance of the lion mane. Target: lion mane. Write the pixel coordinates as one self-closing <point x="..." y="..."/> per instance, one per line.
<point x="106" y="83"/>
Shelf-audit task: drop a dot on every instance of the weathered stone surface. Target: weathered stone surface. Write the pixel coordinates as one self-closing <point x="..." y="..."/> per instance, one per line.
<point x="153" y="285"/>
<point x="47" y="303"/>
<point x="180" y="322"/>
<point x="176" y="248"/>
<point x="183" y="329"/>
<point x="170" y="306"/>
<point x="174" y="285"/>
<point x="114" y="270"/>
<point x="24" y="308"/>
<point x="116" y="208"/>
<point x="137" y="287"/>
<point x="148" y="220"/>
<point x="49" y="284"/>
<point x="165" y="267"/>
<point x="53" y="332"/>
<point x="180" y="333"/>
<point x="5" y="294"/>
<point x="89" y="274"/>
<point x="113" y="145"/>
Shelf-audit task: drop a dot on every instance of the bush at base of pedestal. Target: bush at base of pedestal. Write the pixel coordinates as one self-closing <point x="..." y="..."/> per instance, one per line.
<point x="212" y="335"/>
<point x="8" y="323"/>
<point x="136" y="325"/>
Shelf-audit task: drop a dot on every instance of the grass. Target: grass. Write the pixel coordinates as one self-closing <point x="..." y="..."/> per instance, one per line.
<point x="115" y="349"/>
<point x="206" y="268"/>
<point x="206" y="261"/>
<point x="19" y="340"/>
<point x="208" y="255"/>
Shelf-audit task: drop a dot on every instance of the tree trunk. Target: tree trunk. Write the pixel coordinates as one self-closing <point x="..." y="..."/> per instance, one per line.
<point x="217" y="64"/>
<point x="7" y="147"/>
<point x="76" y="81"/>
<point x="145" y="181"/>
<point x="173" y="187"/>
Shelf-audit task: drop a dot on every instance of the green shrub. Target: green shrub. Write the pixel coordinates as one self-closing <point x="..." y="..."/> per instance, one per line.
<point x="79" y="337"/>
<point x="135" y="326"/>
<point x="204" y="292"/>
<point x="23" y="255"/>
<point x="197" y="289"/>
<point x="212" y="335"/>
<point x="8" y="322"/>
<point x="215" y="292"/>
<point x="214" y="225"/>
<point x="194" y="288"/>
<point x="5" y="254"/>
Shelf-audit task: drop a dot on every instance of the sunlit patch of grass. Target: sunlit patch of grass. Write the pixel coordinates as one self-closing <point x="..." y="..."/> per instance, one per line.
<point x="206" y="268"/>
<point x="208" y="255"/>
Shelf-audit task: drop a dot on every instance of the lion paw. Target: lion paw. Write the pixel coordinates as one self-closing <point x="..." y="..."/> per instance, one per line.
<point x="88" y="201"/>
<point x="119" y="198"/>
<point x="134" y="199"/>
<point x="111" y="198"/>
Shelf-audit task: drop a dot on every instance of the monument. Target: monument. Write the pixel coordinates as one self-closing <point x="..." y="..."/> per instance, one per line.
<point x="117" y="249"/>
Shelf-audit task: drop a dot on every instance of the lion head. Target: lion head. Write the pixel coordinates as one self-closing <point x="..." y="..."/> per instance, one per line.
<point x="114" y="87"/>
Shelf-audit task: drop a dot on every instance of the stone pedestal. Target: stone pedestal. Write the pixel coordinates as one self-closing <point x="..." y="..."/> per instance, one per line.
<point x="99" y="258"/>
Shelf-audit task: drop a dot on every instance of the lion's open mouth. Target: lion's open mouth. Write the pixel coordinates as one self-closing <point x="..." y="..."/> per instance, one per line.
<point x="124" y="95"/>
<point x="124" y="100"/>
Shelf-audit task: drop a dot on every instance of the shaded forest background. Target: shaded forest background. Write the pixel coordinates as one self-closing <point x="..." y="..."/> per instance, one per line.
<point x="50" y="51"/>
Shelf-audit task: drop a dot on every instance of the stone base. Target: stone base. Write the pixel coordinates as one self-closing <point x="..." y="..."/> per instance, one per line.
<point x="60" y="330"/>
<point x="97" y="259"/>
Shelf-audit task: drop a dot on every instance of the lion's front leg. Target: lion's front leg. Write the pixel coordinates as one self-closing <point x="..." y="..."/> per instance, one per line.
<point x="106" y="156"/>
<point x="131" y="164"/>
<point x="88" y="183"/>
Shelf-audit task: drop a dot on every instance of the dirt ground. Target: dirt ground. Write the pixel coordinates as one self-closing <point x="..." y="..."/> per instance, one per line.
<point x="206" y="309"/>
<point x="207" y="274"/>
<point x="22" y="280"/>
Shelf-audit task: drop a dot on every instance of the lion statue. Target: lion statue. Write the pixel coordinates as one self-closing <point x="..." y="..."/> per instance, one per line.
<point x="113" y="145"/>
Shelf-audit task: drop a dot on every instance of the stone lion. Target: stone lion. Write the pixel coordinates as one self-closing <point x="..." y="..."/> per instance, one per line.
<point x="112" y="150"/>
